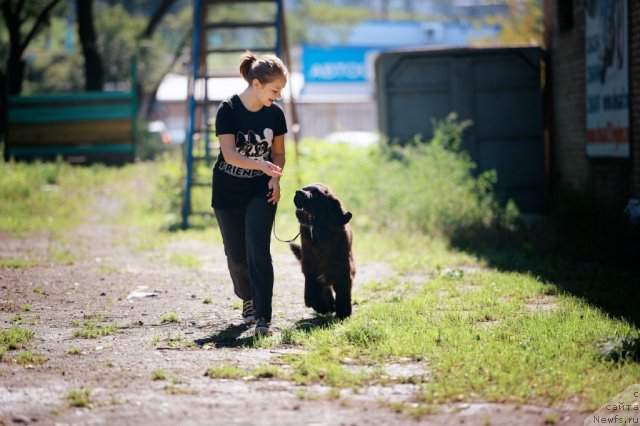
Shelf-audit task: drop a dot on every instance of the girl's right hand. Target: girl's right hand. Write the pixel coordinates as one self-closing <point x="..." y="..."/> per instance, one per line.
<point x="270" y="169"/>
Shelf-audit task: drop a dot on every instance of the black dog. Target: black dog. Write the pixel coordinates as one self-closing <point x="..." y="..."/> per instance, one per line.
<point x="325" y="251"/>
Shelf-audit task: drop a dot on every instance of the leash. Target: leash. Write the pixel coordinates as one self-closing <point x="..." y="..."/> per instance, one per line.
<point x="278" y="238"/>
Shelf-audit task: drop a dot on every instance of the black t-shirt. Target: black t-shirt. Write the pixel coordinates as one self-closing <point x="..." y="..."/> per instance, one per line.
<point x="255" y="131"/>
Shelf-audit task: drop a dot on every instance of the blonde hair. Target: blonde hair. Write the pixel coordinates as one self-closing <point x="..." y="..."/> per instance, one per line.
<point x="265" y="69"/>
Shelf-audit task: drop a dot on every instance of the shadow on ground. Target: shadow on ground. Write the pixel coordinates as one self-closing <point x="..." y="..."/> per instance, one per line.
<point x="602" y="267"/>
<point x="229" y="337"/>
<point x="318" y="321"/>
<point x="232" y="335"/>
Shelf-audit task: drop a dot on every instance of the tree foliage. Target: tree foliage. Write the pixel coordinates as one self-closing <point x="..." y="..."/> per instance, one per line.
<point x="522" y="25"/>
<point x="24" y="20"/>
<point x="55" y="60"/>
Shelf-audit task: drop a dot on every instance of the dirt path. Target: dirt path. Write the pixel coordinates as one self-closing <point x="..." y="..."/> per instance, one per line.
<point x="114" y="282"/>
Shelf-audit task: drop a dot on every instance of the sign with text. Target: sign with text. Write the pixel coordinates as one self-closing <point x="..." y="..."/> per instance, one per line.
<point x="607" y="78"/>
<point x="336" y="64"/>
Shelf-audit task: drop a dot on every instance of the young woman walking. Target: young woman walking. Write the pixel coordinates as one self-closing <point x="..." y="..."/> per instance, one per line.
<point x="246" y="182"/>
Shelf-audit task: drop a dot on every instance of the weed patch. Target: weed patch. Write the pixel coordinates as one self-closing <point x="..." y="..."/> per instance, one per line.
<point x="170" y="317"/>
<point x="226" y="372"/>
<point x="90" y="330"/>
<point x="15" y="337"/>
<point x="17" y="263"/>
<point x="186" y="260"/>
<point x="159" y="375"/>
<point x="267" y="372"/>
<point x="29" y="357"/>
<point x="80" y="397"/>
<point x="74" y="350"/>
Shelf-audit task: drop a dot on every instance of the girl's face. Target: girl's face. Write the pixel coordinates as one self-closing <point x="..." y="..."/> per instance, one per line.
<point x="267" y="93"/>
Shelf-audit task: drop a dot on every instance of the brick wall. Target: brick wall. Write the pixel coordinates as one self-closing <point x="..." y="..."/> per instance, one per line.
<point x="634" y="39"/>
<point x="569" y="161"/>
<point x="610" y="181"/>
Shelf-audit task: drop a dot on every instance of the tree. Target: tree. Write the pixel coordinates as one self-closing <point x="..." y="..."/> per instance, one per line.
<point x="16" y="14"/>
<point x="156" y="17"/>
<point x="322" y="22"/>
<point x="94" y="79"/>
<point x="522" y="25"/>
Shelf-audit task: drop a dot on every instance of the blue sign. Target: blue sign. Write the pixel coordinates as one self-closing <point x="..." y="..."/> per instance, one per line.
<point x="335" y="64"/>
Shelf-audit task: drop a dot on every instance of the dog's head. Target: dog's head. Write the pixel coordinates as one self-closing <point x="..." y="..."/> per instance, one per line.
<point x="318" y="208"/>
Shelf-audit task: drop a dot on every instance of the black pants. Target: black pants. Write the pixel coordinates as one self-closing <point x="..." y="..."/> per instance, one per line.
<point x="246" y="235"/>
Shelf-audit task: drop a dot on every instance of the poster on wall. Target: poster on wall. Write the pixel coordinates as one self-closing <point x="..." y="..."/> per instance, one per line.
<point x="607" y="78"/>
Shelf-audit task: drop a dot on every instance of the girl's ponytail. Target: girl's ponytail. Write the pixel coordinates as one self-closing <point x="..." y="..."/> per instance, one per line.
<point x="265" y="69"/>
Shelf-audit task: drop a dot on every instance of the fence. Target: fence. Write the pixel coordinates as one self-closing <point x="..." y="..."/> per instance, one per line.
<point x="78" y="127"/>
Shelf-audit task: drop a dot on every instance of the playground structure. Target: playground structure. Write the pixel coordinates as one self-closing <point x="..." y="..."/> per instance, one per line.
<point x="217" y="43"/>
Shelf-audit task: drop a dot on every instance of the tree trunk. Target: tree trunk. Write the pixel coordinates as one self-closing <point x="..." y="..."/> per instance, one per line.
<point x="157" y="16"/>
<point x="176" y="56"/>
<point x="15" y="74"/>
<point x="18" y="42"/>
<point x="94" y="79"/>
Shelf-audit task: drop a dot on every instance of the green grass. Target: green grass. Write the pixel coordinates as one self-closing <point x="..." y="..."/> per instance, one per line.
<point x="29" y="357"/>
<point x="45" y="196"/>
<point x="15" y="337"/>
<point x="52" y="197"/>
<point x="170" y="317"/>
<point x="80" y="397"/>
<point x="90" y="330"/>
<point x="488" y="335"/>
<point x="266" y="371"/>
<point x="62" y="256"/>
<point x="17" y="263"/>
<point x="226" y="371"/>
<point x="74" y="350"/>
<point x="186" y="260"/>
<point x="159" y="374"/>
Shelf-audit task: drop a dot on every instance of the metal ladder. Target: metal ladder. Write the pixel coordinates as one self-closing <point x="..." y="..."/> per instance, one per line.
<point x="218" y="40"/>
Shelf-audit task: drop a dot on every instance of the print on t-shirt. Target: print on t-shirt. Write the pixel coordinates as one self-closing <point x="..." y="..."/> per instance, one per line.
<point x="253" y="146"/>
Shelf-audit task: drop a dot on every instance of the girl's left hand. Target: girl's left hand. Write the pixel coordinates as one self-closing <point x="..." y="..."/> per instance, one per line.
<point x="274" y="188"/>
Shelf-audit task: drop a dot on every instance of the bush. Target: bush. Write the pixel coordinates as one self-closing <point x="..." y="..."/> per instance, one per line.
<point x="428" y="187"/>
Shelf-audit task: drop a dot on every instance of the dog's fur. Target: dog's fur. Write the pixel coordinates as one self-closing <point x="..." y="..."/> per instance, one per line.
<point x="325" y="250"/>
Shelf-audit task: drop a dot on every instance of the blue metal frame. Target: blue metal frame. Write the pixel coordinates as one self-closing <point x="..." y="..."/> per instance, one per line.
<point x="195" y="57"/>
<point x="278" y="21"/>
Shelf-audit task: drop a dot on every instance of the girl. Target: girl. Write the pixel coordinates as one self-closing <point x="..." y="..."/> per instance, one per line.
<point x="246" y="182"/>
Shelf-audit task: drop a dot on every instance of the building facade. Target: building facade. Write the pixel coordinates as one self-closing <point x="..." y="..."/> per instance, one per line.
<point x="594" y="114"/>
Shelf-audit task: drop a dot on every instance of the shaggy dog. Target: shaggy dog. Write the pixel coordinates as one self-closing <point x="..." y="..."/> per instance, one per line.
<point x="325" y="250"/>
